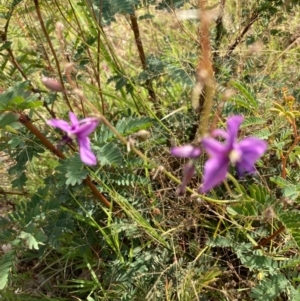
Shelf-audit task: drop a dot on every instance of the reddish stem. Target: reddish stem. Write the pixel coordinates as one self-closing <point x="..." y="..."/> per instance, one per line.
<point x="139" y="45"/>
<point x="268" y="239"/>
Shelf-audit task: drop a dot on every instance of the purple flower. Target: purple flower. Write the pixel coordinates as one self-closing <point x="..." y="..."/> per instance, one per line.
<point x="242" y="154"/>
<point x="79" y="129"/>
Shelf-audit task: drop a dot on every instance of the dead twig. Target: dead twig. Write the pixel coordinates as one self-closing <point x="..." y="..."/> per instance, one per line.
<point x="253" y="18"/>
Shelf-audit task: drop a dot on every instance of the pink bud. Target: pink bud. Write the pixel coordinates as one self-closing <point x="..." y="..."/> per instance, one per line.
<point x="52" y="84"/>
<point x="188" y="172"/>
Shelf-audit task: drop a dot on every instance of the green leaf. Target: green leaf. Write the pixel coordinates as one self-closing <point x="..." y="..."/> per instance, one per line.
<point x="19" y="96"/>
<point x="243" y="209"/>
<point x="259" y="193"/>
<point x="124" y="126"/>
<point x="259" y="262"/>
<point x="30" y="240"/>
<point x="71" y="171"/>
<point x="246" y="98"/>
<point x="291" y="191"/>
<point x="32" y="104"/>
<point x="253" y="120"/>
<point x="263" y="133"/>
<point x="7" y="119"/>
<point x="119" y="80"/>
<point x="20" y="181"/>
<point x="15" y="141"/>
<point x="110" y="154"/>
<point x="109" y="8"/>
<point x="291" y="220"/>
<point x="5" y="45"/>
<point x="76" y="172"/>
<point x="167" y="4"/>
<point x="122" y="178"/>
<point x="146" y="16"/>
<point x="17" y="100"/>
<point x="6" y="263"/>
<point x="220" y="241"/>
<point x="281" y="182"/>
<point x="179" y="74"/>
<point x="269" y="289"/>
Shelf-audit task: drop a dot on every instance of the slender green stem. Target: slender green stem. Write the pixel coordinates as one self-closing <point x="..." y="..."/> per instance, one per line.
<point x="235" y="183"/>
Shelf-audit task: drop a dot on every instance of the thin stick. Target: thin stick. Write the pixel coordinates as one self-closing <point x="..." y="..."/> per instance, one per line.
<point x="139" y="45"/>
<point x="38" y="11"/>
<point x="96" y="69"/>
<point x="268" y="239"/>
<point x="238" y="40"/>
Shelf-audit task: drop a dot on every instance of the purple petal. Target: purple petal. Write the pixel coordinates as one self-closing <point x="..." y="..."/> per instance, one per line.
<point x="252" y="149"/>
<point x="214" y="148"/>
<point x="188" y="172"/>
<point x="233" y="125"/>
<point x="87" y="128"/>
<point x="220" y="133"/>
<point x="89" y="120"/>
<point x="85" y="152"/>
<point x="61" y="124"/>
<point x="186" y="151"/>
<point x="215" y="170"/>
<point x="73" y="119"/>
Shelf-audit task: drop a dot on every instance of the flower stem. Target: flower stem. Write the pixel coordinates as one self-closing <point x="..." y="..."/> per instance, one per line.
<point x="235" y="183"/>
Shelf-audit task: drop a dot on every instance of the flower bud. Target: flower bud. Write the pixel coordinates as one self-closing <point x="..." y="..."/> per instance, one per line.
<point x="188" y="173"/>
<point x="142" y="135"/>
<point x="52" y="84"/>
<point x="59" y="26"/>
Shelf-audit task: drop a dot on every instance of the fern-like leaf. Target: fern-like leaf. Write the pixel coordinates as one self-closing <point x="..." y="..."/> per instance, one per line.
<point x="291" y="221"/>
<point x="258" y="193"/>
<point x="122" y="179"/>
<point x="124" y="126"/>
<point x="111" y="7"/>
<point x="246" y="98"/>
<point x="269" y="289"/>
<point x="110" y="154"/>
<point x="6" y="263"/>
<point x="71" y="171"/>
<point x="252" y="121"/>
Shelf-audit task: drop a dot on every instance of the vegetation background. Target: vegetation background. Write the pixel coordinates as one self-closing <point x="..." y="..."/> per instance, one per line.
<point x="118" y="231"/>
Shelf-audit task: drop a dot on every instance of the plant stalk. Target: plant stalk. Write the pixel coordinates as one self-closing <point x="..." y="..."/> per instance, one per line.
<point x="139" y="45"/>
